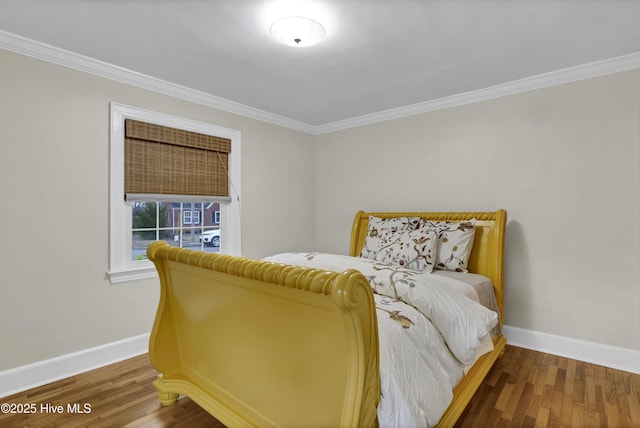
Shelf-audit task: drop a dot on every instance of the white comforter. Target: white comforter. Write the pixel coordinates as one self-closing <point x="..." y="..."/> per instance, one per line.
<point x="428" y="332"/>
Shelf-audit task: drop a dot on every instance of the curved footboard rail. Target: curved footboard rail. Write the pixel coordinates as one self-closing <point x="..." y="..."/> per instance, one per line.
<point x="262" y="344"/>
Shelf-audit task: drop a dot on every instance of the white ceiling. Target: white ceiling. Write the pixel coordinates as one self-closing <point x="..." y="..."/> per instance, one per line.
<point x="378" y="54"/>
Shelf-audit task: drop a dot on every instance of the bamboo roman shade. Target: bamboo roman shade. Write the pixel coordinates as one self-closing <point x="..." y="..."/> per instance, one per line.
<point x="173" y="164"/>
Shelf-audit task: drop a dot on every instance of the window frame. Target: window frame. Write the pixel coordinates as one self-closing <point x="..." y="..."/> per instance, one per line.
<point x="122" y="268"/>
<point x="194" y="216"/>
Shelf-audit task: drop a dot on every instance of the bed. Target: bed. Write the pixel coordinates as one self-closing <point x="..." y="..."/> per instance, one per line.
<point x="266" y="343"/>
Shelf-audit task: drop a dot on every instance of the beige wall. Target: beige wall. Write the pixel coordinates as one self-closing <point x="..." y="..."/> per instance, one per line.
<point x="54" y="178"/>
<point x="563" y="161"/>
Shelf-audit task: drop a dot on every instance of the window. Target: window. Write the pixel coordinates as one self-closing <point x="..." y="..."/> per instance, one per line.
<point x="190" y="216"/>
<point x="178" y="220"/>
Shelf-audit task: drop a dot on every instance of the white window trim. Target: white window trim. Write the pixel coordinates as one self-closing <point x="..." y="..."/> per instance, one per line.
<point x="193" y="216"/>
<point x="121" y="267"/>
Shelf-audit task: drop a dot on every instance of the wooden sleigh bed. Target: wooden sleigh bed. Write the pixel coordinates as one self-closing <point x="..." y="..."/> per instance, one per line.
<point x="262" y="344"/>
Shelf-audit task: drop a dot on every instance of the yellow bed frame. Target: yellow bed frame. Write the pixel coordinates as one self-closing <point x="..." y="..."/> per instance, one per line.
<point x="262" y="344"/>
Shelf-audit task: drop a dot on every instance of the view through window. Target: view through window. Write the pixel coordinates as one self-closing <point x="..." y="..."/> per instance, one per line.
<point x="180" y="224"/>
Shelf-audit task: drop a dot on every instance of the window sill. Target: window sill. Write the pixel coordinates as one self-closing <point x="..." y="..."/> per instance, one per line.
<point x="132" y="274"/>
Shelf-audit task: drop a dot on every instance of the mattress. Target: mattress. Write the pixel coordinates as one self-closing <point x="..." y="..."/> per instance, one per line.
<point x="482" y="285"/>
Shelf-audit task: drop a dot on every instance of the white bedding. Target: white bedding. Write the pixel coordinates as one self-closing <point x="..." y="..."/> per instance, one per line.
<point x="430" y="328"/>
<point x="480" y="284"/>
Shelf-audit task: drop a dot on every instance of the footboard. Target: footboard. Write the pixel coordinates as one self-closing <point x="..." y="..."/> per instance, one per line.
<point x="261" y="344"/>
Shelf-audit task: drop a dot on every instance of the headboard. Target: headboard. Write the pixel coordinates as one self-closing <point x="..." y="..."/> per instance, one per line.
<point x="487" y="254"/>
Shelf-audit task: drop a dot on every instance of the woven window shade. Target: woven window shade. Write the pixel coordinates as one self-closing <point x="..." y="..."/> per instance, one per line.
<point x="162" y="161"/>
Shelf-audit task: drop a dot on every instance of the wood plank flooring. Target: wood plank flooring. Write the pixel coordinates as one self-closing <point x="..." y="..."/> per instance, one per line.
<point x="532" y="389"/>
<point x="524" y="389"/>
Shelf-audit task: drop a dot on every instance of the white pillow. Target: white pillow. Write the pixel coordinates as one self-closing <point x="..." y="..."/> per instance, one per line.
<point x="455" y="241"/>
<point x="379" y="226"/>
<point x="409" y="249"/>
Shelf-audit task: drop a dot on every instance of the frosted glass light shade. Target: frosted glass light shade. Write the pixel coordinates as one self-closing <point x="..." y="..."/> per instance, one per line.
<point x="297" y="31"/>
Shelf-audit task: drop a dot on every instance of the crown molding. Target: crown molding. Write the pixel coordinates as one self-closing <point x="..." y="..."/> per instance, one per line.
<point x="31" y="48"/>
<point x="42" y="51"/>
<point x="553" y="78"/>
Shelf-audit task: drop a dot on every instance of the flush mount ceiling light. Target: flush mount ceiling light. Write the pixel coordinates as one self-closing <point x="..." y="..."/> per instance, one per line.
<point x="297" y="31"/>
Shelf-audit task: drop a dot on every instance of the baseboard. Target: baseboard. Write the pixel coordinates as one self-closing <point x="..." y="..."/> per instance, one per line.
<point x="20" y="379"/>
<point x="596" y="353"/>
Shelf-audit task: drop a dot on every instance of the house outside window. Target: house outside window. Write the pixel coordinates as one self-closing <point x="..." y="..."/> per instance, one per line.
<point x="176" y="223"/>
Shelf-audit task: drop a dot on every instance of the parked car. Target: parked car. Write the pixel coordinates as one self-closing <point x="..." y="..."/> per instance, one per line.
<point x="211" y="238"/>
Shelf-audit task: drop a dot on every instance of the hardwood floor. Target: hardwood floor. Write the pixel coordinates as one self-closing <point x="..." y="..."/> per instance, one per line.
<point x="532" y="389"/>
<point x="119" y="395"/>
<point x="524" y="389"/>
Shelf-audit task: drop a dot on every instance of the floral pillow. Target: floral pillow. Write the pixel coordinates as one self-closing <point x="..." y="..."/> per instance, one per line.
<point x="409" y="249"/>
<point x="385" y="226"/>
<point x="455" y="241"/>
